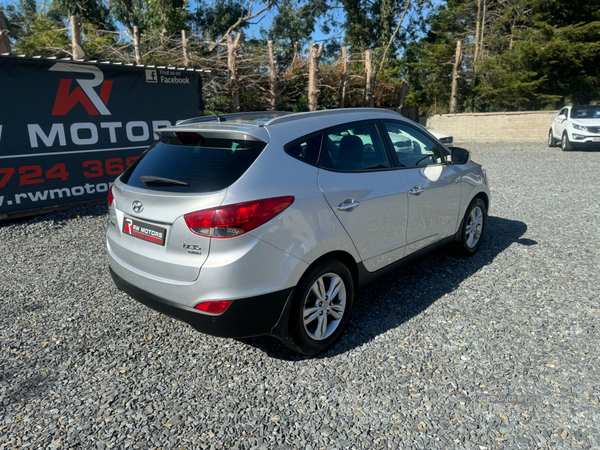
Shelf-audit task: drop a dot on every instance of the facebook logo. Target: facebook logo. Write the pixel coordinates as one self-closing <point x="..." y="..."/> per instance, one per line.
<point x="151" y="76"/>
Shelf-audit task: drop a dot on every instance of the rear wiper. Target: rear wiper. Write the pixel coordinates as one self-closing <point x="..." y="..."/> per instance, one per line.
<point x="161" y="181"/>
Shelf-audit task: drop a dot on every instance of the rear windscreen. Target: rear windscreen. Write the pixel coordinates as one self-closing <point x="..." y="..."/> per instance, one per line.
<point x="191" y="163"/>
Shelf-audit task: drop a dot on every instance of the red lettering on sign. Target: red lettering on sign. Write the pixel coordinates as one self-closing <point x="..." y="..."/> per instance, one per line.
<point x="105" y="91"/>
<point x="64" y="101"/>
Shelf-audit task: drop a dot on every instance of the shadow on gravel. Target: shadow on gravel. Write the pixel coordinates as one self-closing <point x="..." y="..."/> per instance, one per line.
<point x="398" y="297"/>
<point x="60" y="214"/>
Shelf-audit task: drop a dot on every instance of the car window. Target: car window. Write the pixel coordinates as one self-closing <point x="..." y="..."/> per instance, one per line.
<point x="412" y="147"/>
<point x="191" y="163"/>
<point x="353" y="147"/>
<point x="563" y="112"/>
<point x="305" y="149"/>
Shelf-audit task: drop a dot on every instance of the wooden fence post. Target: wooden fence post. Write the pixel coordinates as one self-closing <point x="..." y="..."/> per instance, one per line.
<point x="344" y="77"/>
<point x="455" y="75"/>
<point x="76" y="38"/>
<point x="4" y="41"/>
<point x="184" y="44"/>
<point x="136" y="45"/>
<point x="316" y="51"/>
<point x="272" y="77"/>
<point x="233" y="46"/>
<point x="369" y="100"/>
<point x="403" y="92"/>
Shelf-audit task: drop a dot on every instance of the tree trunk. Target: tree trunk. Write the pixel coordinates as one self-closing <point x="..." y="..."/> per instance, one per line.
<point x="455" y="75"/>
<point x="136" y="45"/>
<point x="387" y="47"/>
<point x="369" y="100"/>
<point x="272" y="77"/>
<point x="482" y="28"/>
<point x="184" y="44"/>
<point x="296" y="54"/>
<point x="233" y="45"/>
<point x="76" y="38"/>
<point x="403" y="92"/>
<point x="477" y="28"/>
<point x="344" y="77"/>
<point x="316" y="51"/>
<point x="4" y="41"/>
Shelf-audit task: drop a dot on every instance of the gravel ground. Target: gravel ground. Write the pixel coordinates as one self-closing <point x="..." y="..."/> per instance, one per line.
<point x="496" y="351"/>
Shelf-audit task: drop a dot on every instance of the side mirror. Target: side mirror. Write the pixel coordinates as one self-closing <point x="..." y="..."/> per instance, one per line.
<point x="460" y="155"/>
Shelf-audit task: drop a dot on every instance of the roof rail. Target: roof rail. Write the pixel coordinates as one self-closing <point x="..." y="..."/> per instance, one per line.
<point x="233" y="116"/>
<point x="303" y="115"/>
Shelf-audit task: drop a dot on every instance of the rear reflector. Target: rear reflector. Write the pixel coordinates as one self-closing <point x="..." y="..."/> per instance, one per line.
<point x="213" y="307"/>
<point x="233" y="220"/>
<point x="111" y="197"/>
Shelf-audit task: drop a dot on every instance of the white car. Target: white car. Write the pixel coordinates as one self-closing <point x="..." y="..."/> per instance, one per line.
<point x="575" y="126"/>
<point x="444" y="138"/>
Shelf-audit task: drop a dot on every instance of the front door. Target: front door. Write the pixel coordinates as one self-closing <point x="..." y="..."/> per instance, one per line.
<point x="433" y="185"/>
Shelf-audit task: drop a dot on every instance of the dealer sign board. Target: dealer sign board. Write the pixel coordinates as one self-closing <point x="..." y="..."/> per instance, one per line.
<point x="68" y="129"/>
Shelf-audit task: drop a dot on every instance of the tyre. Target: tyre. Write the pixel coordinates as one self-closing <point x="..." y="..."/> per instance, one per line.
<point x="472" y="228"/>
<point x="321" y="308"/>
<point x="565" y="144"/>
<point x="551" y="141"/>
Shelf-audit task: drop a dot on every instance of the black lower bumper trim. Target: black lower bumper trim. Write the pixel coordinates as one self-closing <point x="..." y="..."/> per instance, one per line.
<point x="247" y="317"/>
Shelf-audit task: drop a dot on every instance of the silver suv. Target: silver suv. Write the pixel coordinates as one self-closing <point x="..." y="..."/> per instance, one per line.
<point x="267" y="223"/>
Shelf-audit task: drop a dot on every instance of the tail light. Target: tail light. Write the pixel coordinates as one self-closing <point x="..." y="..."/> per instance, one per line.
<point x="233" y="220"/>
<point x="111" y="197"/>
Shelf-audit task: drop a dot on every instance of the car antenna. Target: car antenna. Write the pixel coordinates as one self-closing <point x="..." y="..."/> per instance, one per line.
<point x="219" y="118"/>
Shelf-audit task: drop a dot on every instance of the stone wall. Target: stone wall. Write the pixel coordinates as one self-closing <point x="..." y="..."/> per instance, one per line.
<point x="524" y="126"/>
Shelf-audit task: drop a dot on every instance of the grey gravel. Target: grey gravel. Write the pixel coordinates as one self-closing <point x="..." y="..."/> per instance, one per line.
<point x="496" y="351"/>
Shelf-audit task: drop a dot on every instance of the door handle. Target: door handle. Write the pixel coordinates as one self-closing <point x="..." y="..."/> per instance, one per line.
<point x="348" y="205"/>
<point x="416" y="190"/>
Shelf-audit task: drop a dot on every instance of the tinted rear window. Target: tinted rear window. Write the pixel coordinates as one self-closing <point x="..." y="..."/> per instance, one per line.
<point x="204" y="164"/>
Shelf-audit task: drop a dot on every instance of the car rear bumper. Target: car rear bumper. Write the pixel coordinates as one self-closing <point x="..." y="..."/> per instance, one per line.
<point x="247" y="317"/>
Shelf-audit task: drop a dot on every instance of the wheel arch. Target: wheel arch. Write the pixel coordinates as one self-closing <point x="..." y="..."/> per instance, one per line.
<point x="344" y="257"/>
<point x="486" y="200"/>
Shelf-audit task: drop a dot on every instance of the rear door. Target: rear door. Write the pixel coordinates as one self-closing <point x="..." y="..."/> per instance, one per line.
<point x="433" y="185"/>
<point x="364" y="191"/>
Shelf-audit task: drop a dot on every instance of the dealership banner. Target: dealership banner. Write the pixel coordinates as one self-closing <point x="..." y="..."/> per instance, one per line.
<point x="68" y="129"/>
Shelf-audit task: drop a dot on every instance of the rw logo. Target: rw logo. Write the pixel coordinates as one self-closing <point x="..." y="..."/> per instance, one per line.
<point x="85" y="93"/>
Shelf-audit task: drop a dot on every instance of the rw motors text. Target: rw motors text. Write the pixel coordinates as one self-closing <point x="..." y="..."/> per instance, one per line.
<point x="88" y="133"/>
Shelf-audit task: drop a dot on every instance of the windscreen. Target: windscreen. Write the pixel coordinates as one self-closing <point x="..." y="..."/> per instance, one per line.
<point x="192" y="163"/>
<point x="590" y="112"/>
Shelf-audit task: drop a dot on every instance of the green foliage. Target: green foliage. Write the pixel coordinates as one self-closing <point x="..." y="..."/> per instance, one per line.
<point x="89" y="11"/>
<point x="43" y="38"/>
<point x="535" y="54"/>
<point x="213" y="20"/>
<point x="218" y="104"/>
<point x="129" y="13"/>
<point x="167" y="15"/>
<point x="294" y="23"/>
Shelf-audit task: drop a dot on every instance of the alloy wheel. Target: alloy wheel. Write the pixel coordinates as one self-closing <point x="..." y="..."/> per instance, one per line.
<point x="474" y="227"/>
<point x="324" y="306"/>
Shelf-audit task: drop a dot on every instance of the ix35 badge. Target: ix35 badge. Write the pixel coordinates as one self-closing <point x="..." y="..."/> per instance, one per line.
<point x="193" y="248"/>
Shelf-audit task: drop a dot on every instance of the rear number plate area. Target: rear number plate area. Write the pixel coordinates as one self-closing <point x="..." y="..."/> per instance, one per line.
<point x="144" y="231"/>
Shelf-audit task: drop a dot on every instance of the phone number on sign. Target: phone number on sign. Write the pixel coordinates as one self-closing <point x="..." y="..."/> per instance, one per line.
<point x="35" y="174"/>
